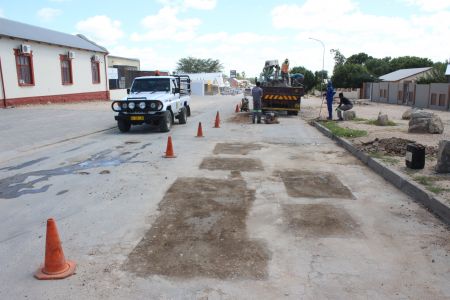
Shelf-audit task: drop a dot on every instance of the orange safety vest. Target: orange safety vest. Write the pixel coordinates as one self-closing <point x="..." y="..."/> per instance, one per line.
<point x="284" y="68"/>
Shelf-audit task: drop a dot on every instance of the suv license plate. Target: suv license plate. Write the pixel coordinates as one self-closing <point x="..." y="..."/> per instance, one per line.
<point x="137" y="118"/>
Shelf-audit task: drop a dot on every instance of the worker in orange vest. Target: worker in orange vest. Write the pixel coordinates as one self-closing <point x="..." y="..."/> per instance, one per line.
<point x="285" y="71"/>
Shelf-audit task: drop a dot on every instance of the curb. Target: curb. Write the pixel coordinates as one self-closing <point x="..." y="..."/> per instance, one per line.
<point x="434" y="203"/>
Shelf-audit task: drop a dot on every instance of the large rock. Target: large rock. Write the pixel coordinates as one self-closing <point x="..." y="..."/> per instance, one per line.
<point x="407" y="114"/>
<point x="382" y="120"/>
<point x="443" y="157"/>
<point x="348" y="115"/>
<point x="425" y="122"/>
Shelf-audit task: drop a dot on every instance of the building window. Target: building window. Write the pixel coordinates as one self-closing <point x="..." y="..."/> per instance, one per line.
<point x="433" y="99"/>
<point x="441" y="99"/>
<point x="24" y="66"/>
<point x="66" y="69"/>
<point x="95" y="68"/>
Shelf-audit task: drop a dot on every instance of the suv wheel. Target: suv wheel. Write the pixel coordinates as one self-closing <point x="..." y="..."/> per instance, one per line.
<point x="182" y="117"/>
<point x="124" y="125"/>
<point x="166" y="121"/>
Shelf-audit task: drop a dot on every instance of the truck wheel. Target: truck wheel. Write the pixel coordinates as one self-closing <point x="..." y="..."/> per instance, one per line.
<point x="188" y="109"/>
<point x="182" y="117"/>
<point x="166" y="122"/>
<point x="124" y="125"/>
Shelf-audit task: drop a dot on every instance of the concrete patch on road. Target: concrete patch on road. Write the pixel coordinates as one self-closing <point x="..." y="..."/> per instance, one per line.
<point x="233" y="164"/>
<point x="320" y="220"/>
<point x="201" y="232"/>
<point x="236" y="148"/>
<point x="301" y="183"/>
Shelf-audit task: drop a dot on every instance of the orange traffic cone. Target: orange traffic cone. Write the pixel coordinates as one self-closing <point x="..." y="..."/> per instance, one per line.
<point x="217" y="122"/>
<point x="169" y="149"/>
<point x="199" y="130"/>
<point x="237" y="108"/>
<point x="55" y="266"/>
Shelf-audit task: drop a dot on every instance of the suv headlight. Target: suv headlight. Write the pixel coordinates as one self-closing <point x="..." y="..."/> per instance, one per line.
<point x="131" y="105"/>
<point x="142" y="105"/>
<point x="124" y="105"/>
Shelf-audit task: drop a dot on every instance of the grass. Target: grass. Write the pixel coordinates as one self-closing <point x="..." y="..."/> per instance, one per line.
<point x="375" y="122"/>
<point x="343" y="132"/>
<point x="359" y="120"/>
<point x="384" y="158"/>
<point x="429" y="183"/>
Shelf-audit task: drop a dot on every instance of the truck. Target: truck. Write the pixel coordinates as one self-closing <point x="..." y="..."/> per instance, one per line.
<point x="156" y="100"/>
<point x="279" y="95"/>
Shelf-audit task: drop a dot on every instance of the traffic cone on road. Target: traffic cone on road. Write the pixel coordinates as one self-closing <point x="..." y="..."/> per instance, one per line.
<point x="199" y="130"/>
<point x="237" y="108"/>
<point x="217" y="122"/>
<point x="169" y="149"/>
<point x="55" y="266"/>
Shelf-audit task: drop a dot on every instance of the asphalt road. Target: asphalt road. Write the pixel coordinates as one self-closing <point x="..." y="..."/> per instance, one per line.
<point x="248" y="211"/>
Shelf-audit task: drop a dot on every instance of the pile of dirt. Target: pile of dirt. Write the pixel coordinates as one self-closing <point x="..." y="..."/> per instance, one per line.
<point x="392" y="146"/>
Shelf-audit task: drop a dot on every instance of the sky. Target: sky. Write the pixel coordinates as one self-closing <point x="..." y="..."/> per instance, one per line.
<point x="242" y="35"/>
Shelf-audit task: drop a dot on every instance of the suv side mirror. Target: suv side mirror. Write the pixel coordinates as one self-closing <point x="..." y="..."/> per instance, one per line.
<point x="128" y="91"/>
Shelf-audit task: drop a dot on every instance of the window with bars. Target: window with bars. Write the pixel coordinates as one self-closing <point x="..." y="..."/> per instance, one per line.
<point x="24" y="66"/>
<point x="95" y="67"/>
<point x="66" y="70"/>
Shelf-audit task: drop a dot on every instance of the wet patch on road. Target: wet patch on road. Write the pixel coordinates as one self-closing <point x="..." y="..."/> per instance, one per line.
<point x="320" y="220"/>
<point x="144" y="146"/>
<point x="79" y="147"/>
<point x="236" y="148"/>
<point x="201" y="232"/>
<point x="25" y="164"/>
<point x="25" y="183"/>
<point x="232" y="164"/>
<point x="132" y="142"/>
<point x="61" y="192"/>
<point x="301" y="183"/>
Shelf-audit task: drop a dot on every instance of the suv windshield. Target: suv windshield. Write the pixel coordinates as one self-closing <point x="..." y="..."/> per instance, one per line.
<point x="151" y="85"/>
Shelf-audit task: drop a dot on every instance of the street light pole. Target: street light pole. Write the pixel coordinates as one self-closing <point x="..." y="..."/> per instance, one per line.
<point x="323" y="69"/>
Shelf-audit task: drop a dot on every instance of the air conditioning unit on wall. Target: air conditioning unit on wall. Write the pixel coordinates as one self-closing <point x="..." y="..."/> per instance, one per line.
<point x="26" y="49"/>
<point x="71" y="54"/>
<point x="95" y="58"/>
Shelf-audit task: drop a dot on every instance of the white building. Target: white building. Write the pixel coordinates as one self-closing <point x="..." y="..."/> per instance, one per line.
<point x="39" y="65"/>
<point x="206" y="83"/>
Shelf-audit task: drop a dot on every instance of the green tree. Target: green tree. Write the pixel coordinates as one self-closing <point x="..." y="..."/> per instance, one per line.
<point x="437" y="74"/>
<point x="198" y="65"/>
<point x="378" y="66"/>
<point x="309" y="80"/>
<point x="407" y="62"/>
<point x="350" y="76"/>
<point x="339" y="58"/>
<point x="359" y="59"/>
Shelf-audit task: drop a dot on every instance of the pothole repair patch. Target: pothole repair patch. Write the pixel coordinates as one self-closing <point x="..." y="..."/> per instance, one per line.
<point x="201" y="232"/>
<point x="234" y="164"/>
<point x="236" y="148"/>
<point x="315" y="185"/>
<point x="320" y="220"/>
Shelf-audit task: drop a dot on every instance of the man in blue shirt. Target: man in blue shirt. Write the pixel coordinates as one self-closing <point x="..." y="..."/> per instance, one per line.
<point x="257" y="94"/>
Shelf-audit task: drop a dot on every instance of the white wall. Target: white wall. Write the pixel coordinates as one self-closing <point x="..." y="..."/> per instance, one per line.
<point x="47" y="70"/>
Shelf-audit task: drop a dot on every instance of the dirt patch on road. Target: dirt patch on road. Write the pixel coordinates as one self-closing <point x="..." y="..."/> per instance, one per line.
<point x="392" y="146"/>
<point x="201" y="231"/>
<point x="320" y="220"/>
<point x="234" y="164"/>
<point x="301" y="183"/>
<point x="236" y="148"/>
<point x="240" y="118"/>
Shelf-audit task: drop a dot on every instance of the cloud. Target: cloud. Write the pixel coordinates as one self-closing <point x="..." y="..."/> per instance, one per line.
<point x="200" y="4"/>
<point x="186" y="4"/>
<point x="166" y="25"/>
<point x="342" y="25"/>
<point x="101" y="29"/>
<point x="48" y="14"/>
<point x="429" y="5"/>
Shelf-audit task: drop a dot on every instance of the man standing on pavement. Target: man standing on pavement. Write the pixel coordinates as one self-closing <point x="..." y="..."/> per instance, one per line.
<point x="344" y="105"/>
<point x="257" y="94"/>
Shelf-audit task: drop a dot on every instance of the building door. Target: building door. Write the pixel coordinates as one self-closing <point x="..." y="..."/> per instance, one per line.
<point x="405" y="93"/>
